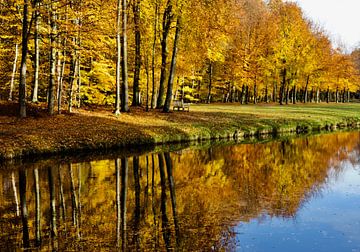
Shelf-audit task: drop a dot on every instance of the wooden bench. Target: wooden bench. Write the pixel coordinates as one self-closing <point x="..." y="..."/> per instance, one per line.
<point x="180" y="104"/>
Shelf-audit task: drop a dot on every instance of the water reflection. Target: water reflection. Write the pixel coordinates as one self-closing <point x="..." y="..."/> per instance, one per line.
<point x="187" y="200"/>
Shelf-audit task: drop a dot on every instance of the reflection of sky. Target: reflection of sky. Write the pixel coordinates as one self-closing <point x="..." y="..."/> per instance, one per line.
<point x="330" y="222"/>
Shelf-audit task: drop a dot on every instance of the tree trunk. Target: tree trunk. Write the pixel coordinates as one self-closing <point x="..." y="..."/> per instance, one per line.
<point x="13" y="73"/>
<point x="51" y="89"/>
<point x="118" y="60"/>
<point x="247" y="95"/>
<point x="153" y="94"/>
<point x="274" y="92"/>
<point x="136" y="86"/>
<point x="255" y="94"/>
<point x="79" y="68"/>
<point x="73" y="74"/>
<point x="24" y="51"/>
<point x="167" y="17"/>
<point x="294" y="94"/>
<point x="337" y="95"/>
<point x="306" y="89"/>
<point x="124" y="61"/>
<point x="37" y="53"/>
<point x="173" y="65"/>
<point x="242" y="94"/>
<point x="328" y="95"/>
<point x="317" y="95"/>
<point x="210" y="82"/>
<point x="282" y="88"/>
<point x="147" y="82"/>
<point x="287" y="94"/>
<point x="266" y="93"/>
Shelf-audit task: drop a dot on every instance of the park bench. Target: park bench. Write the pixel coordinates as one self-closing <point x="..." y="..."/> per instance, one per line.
<point x="180" y="104"/>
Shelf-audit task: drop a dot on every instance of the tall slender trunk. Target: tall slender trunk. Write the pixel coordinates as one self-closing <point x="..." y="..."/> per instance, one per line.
<point x="118" y="59"/>
<point x="124" y="60"/>
<point x="306" y="89"/>
<point x="51" y="89"/>
<point x="37" y="208"/>
<point x="274" y="92"/>
<point x="242" y="98"/>
<point x="255" y="94"/>
<point x="61" y="80"/>
<point x="153" y="96"/>
<point x="317" y="95"/>
<point x="37" y="53"/>
<point x="173" y="64"/>
<point x="282" y="88"/>
<point x="287" y="98"/>
<point x="13" y="73"/>
<point x="78" y="91"/>
<point x="266" y="93"/>
<point x="294" y="94"/>
<point x="167" y="18"/>
<point x="61" y="83"/>
<point x="328" y="95"/>
<point x="73" y="74"/>
<point x="24" y="52"/>
<point x="136" y="86"/>
<point x="337" y="95"/>
<point x="147" y="83"/>
<point x="210" y="82"/>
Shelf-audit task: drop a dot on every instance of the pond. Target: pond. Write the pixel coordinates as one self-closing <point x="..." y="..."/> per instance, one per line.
<point x="291" y="194"/>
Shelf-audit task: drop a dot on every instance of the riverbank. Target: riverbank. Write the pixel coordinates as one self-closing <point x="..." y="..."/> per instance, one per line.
<point x="99" y="129"/>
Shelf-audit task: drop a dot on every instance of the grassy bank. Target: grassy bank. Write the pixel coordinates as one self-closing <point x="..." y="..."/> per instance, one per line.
<point x="98" y="129"/>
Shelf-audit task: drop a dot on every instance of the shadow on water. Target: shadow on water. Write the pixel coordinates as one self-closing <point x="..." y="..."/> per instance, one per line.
<point x="186" y="200"/>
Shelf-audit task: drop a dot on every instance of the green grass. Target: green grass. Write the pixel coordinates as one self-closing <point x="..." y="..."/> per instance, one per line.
<point x="100" y="129"/>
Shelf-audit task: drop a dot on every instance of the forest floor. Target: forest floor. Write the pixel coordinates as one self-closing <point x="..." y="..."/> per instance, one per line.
<point x="98" y="129"/>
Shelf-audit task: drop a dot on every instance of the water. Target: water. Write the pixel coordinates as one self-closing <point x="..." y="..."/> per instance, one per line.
<point x="287" y="195"/>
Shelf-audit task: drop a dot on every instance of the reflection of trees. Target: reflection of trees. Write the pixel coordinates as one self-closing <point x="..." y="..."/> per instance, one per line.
<point x="37" y="209"/>
<point x="202" y="193"/>
<point x="24" y="210"/>
<point x="123" y="198"/>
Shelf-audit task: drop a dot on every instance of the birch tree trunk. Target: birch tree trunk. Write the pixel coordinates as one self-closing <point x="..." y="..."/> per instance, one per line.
<point x="124" y="61"/>
<point x="118" y="60"/>
<point x="13" y="72"/>
<point x="37" y="54"/>
<point x="51" y="89"/>
<point x="153" y="94"/>
<point x="24" y="52"/>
